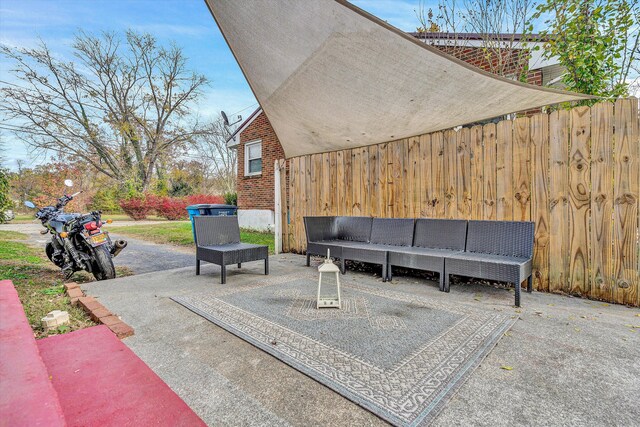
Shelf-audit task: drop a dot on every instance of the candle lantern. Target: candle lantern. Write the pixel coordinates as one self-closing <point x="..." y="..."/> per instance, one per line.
<point x="327" y="270"/>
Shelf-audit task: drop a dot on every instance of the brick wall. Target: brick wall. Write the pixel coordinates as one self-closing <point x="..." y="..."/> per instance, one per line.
<point x="256" y="192"/>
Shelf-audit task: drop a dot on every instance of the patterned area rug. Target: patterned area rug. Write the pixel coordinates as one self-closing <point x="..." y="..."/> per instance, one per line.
<point x="400" y="356"/>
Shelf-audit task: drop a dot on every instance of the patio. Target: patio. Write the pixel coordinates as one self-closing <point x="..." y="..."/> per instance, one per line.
<point x="573" y="361"/>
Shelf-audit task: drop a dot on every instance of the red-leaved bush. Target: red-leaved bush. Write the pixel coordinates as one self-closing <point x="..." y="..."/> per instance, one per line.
<point x="173" y="209"/>
<point x="204" y="198"/>
<point x="136" y="208"/>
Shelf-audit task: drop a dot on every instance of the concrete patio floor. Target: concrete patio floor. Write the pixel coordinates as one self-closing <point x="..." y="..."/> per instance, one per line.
<point x="575" y="362"/>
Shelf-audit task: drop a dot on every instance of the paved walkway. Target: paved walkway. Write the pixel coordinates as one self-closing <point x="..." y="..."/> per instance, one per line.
<point x="575" y="362"/>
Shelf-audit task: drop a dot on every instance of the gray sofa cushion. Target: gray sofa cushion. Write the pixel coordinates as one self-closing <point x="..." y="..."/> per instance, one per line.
<point x="353" y="228"/>
<point x="440" y="233"/>
<point x="392" y="231"/>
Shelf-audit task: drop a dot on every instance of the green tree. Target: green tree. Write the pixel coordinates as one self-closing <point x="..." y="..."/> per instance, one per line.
<point x="595" y="40"/>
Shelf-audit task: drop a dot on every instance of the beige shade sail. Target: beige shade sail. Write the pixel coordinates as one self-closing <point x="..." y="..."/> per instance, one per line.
<point x="330" y="76"/>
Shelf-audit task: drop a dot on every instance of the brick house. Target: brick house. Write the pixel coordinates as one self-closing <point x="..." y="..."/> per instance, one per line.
<point x="258" y="145"/>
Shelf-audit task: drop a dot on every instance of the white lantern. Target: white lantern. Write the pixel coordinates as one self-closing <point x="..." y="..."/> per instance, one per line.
<point x="329" y="268"/>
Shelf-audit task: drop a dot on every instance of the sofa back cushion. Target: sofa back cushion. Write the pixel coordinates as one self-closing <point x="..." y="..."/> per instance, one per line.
<point x="440" y="233"/>
<point x="508" y="238"/>
<point x="319" y="228"/>
<point x="354" y="228"/>
<point x="216" y="230"/>
<point x="392" y="231"/>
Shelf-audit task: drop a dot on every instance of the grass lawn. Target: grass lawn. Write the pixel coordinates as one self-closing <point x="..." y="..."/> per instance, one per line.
<point x="39" y="283"/>
<point x="179" y="233"/>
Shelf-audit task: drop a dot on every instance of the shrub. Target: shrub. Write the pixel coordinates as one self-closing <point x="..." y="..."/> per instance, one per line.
<point x="136" y="207"/>
<point x="173" y="208"/>
<point x="231" y="198"/>
<point x="196" y="199"/>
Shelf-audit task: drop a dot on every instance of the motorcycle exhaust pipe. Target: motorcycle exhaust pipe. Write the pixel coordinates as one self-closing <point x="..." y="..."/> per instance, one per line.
<point x="118" y="245"/>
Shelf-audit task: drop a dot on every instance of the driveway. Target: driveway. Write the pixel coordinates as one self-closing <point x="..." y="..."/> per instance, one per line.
<point x="139" y="256"/>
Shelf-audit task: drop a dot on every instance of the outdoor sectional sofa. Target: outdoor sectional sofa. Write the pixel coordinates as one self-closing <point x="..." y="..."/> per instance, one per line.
<point x="492" y="250"/>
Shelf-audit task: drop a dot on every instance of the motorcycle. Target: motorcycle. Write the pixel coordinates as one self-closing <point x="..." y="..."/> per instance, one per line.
<point x="78" y="241"/>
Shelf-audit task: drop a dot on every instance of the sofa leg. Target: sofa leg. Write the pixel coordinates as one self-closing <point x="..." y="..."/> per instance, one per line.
<point x="239" y="265"/>
<point x="266" y="266"/>
<point x="223" y="274"/>
<point x="384" y="272"/>
<point x="308" y="259"/>
<point x="441" y="281"/>
<point x="343" y="269"/>
<point x="197" y="267"/>
<point x="389" y="272"/>
<point x="517" y="294"/>
<point x="446" y="282"/>
<point x="530" y="284"/>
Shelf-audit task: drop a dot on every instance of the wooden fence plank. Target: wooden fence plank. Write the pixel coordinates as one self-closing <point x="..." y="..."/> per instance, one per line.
<point x="356" y="167"/>
<point x="348" y="183"/>
<point x="340" y="198"/>
<point x="477" y="169"/>
<point x="540" y="199"/>
<point x="326" y="184"/>
<point x="427" y="209"/>
<point x="364" y="181"/>
<point x="437" y="151"/>
<point x="489" y="172"/>
<point x="602" y="278"/>
<point x="374" y="184"/>
<point x="559" y="201"/>
<point x="463" y="166"/>
<point x="521" y="170"/>
<point x="413" y="178"/>
<point x="627" y="191"/>
<point x="294" y="191"/>
<point x="383" y="181"/>
<point x="450" y="174"/>
<point x="302" y="203"/>
<point x="504" y="171"/>
<point x="579" y="198"/>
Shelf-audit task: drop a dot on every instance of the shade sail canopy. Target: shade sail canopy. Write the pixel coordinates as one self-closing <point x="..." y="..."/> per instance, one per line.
<point x="330" y="76"/>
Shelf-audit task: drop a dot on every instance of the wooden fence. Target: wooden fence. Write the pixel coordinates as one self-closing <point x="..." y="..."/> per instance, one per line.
<point x="576" y="173"/>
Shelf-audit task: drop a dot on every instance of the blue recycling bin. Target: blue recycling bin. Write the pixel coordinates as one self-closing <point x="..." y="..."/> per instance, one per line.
<point x="209" y="210"/>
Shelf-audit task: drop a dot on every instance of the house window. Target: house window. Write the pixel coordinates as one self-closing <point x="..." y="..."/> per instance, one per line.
<point x="253" y="158"/>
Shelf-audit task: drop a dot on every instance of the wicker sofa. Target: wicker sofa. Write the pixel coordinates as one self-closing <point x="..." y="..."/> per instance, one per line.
<point x="493" y="250"/>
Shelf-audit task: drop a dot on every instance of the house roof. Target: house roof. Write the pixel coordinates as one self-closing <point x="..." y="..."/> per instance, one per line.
<point x="477" y="36"/>
<point x="330" y="76"/>
<point x="232" y="141"/>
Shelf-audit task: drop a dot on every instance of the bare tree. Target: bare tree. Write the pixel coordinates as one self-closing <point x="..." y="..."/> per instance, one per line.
<point x="211" y="147"/>
<point x="500" y="25"/>
<point x="121" y="107"/>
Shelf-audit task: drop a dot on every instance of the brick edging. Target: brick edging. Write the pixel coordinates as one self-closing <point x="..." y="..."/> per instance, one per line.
<point x="97" y="311"/>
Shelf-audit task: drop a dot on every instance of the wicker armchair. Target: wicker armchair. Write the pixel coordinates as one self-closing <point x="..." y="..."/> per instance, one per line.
<point x="496" y="250"/>
<point x="218" y="242"/>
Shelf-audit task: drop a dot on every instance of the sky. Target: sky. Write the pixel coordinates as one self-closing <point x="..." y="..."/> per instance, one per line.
<point x="188" y="23"/>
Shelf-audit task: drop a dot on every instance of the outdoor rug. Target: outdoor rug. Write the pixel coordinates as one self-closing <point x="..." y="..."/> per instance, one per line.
<point x="398" y="355"/>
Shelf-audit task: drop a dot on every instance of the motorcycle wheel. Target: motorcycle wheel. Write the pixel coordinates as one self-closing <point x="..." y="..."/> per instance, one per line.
<point x="103" y="268"/>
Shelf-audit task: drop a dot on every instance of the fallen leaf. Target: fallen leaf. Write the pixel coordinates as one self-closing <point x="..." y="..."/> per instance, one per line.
<point x="507" y="368"/>
<point x="577" y="329"/>
<point x="507" y="334"/>
<point x="604" y="304"/>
